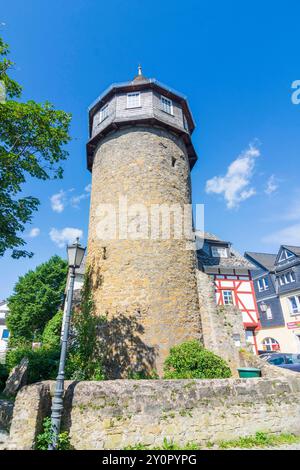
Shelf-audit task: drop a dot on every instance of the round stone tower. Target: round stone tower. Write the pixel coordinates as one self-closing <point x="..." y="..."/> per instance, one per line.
<point x="141" y="263"/>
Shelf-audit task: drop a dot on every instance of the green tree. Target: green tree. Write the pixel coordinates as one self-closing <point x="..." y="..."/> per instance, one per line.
<point x="32" y="137"/>
<point x="36" y="298"/>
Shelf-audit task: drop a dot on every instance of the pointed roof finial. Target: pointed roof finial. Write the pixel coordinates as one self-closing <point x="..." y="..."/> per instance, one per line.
<point x="139" y="69"/>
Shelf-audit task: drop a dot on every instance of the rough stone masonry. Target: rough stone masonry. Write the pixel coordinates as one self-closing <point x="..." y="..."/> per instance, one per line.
<point x="146" y="288"/>
<point x="120" y="413"/>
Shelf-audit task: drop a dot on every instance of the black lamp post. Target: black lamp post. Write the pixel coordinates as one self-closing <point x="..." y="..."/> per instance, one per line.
<point x="75" y="257"/>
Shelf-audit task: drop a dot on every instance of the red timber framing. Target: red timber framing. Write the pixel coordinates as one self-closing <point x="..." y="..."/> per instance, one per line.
<point x="243" y="296"/>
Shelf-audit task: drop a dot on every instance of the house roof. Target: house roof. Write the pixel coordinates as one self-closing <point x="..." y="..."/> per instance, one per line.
<point x="235" y="259"/>
<point x="266" y="260"/>
<point x="293" y="249"/>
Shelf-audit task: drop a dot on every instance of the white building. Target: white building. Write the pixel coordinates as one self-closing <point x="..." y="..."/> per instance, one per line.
<point x="4" y="333"/>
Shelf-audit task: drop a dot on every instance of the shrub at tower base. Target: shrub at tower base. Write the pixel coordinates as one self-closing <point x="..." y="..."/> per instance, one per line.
<point x="190" y="360"/>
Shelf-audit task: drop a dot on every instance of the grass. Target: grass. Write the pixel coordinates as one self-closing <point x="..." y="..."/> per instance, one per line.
<point x="167" y="445"/>
<point x="260" y="439"/>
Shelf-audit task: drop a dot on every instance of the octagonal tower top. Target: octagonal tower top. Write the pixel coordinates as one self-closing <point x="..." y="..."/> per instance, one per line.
<point x="140" y="101"/>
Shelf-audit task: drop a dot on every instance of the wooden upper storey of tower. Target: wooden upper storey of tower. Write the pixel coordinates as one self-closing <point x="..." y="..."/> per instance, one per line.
<point x="140" y="101"/>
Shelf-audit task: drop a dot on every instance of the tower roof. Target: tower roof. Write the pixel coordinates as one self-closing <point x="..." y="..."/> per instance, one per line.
<point x="183" y="124"/>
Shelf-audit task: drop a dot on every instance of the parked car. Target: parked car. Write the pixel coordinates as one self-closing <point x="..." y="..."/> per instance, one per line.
<point x="285" y="360"/>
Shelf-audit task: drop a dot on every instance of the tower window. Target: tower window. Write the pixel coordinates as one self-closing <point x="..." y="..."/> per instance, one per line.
<point x="103" y="113"/>
<point x="134" y="100"/>
<point x="185" y="124"/>
<point x="219" y="251"/>
<point x="166" y="105"/>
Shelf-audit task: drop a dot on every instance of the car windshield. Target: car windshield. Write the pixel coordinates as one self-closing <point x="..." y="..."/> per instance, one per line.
<point x="279" y="359"/>
<point x="293" y="358"/>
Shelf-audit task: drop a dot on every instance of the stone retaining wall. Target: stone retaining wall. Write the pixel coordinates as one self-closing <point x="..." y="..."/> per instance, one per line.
<point x="119" y="413"/>
<point x="6" y="412"/>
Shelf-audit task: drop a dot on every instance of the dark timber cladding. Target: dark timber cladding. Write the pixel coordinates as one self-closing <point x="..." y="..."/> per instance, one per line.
<point x="152" y="117"/>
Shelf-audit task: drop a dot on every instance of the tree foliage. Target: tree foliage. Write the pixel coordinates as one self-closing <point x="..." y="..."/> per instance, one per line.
<point x="36" y="298"/>
<point x="190" y="360"/>
<point x="85" y="357"/>
<point x="32" y="137"/>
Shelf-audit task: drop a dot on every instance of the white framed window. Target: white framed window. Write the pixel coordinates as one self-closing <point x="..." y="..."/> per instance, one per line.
<point x="294" y="303"/>
<point x="219" y="252"/>
<point x="5" y="334"/>
<point x="133" y="99"/>
<point x="103" y="113"/>
<point x="166" y="104"/>
<point x="269" y="313"/>
<point x="286" y="278"/>
<point x="263" y="284"/>
<point x="227" y="297"/>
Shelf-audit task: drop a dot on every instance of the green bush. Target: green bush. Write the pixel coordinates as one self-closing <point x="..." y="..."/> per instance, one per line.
<point x="3" y="376"/>
<point x="44" y="438"/>
<point x="42" y="365"/>
<point x="52" y="331"/>
<point x="190" y="360"/>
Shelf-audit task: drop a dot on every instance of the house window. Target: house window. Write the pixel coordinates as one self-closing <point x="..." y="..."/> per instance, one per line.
<point x="103" y="113"/>
<point x="219" y="252"/>
<point x="263" y="284"/>
<point x="5" y="334"/>
<point x="294" y="302"/>
<point x="227" y="297"/>
<point x="269" y="313"/>
<point x="134" y="100"/>
<point x="287" y="278"/>
<point x="166" y="105"/>
<point x="270" y="344"/>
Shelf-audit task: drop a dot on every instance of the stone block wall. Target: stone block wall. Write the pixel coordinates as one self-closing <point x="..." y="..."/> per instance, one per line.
<point x="120" y="413"/>
<point x="146" y="286"/>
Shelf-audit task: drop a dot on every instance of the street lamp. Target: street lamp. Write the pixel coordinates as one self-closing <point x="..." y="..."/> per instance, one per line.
<point x="75" y="257"/>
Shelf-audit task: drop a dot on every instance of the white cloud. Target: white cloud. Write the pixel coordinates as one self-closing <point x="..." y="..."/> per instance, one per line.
<point x="271" y="185"/>
<point x="287" y="236"/>
<point x="58" y="201"/>
<point x="234" y="185"/>
<point x="34" y="232"/>
<point x="64" y="236"/>
<point x="75" y="200"/>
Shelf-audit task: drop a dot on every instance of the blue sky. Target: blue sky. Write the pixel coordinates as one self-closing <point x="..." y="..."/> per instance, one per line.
<point x="234" y="60"/>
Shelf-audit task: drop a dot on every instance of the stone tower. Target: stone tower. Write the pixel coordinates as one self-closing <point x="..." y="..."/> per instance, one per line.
<point x="140" y="154"/>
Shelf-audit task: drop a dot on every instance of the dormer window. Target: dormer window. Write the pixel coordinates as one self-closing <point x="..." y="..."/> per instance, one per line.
<point x="166" y="105"/>
<point x="103" y="113"/>
<point x="134" y="99"/>
<point x="219" y="252"/>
